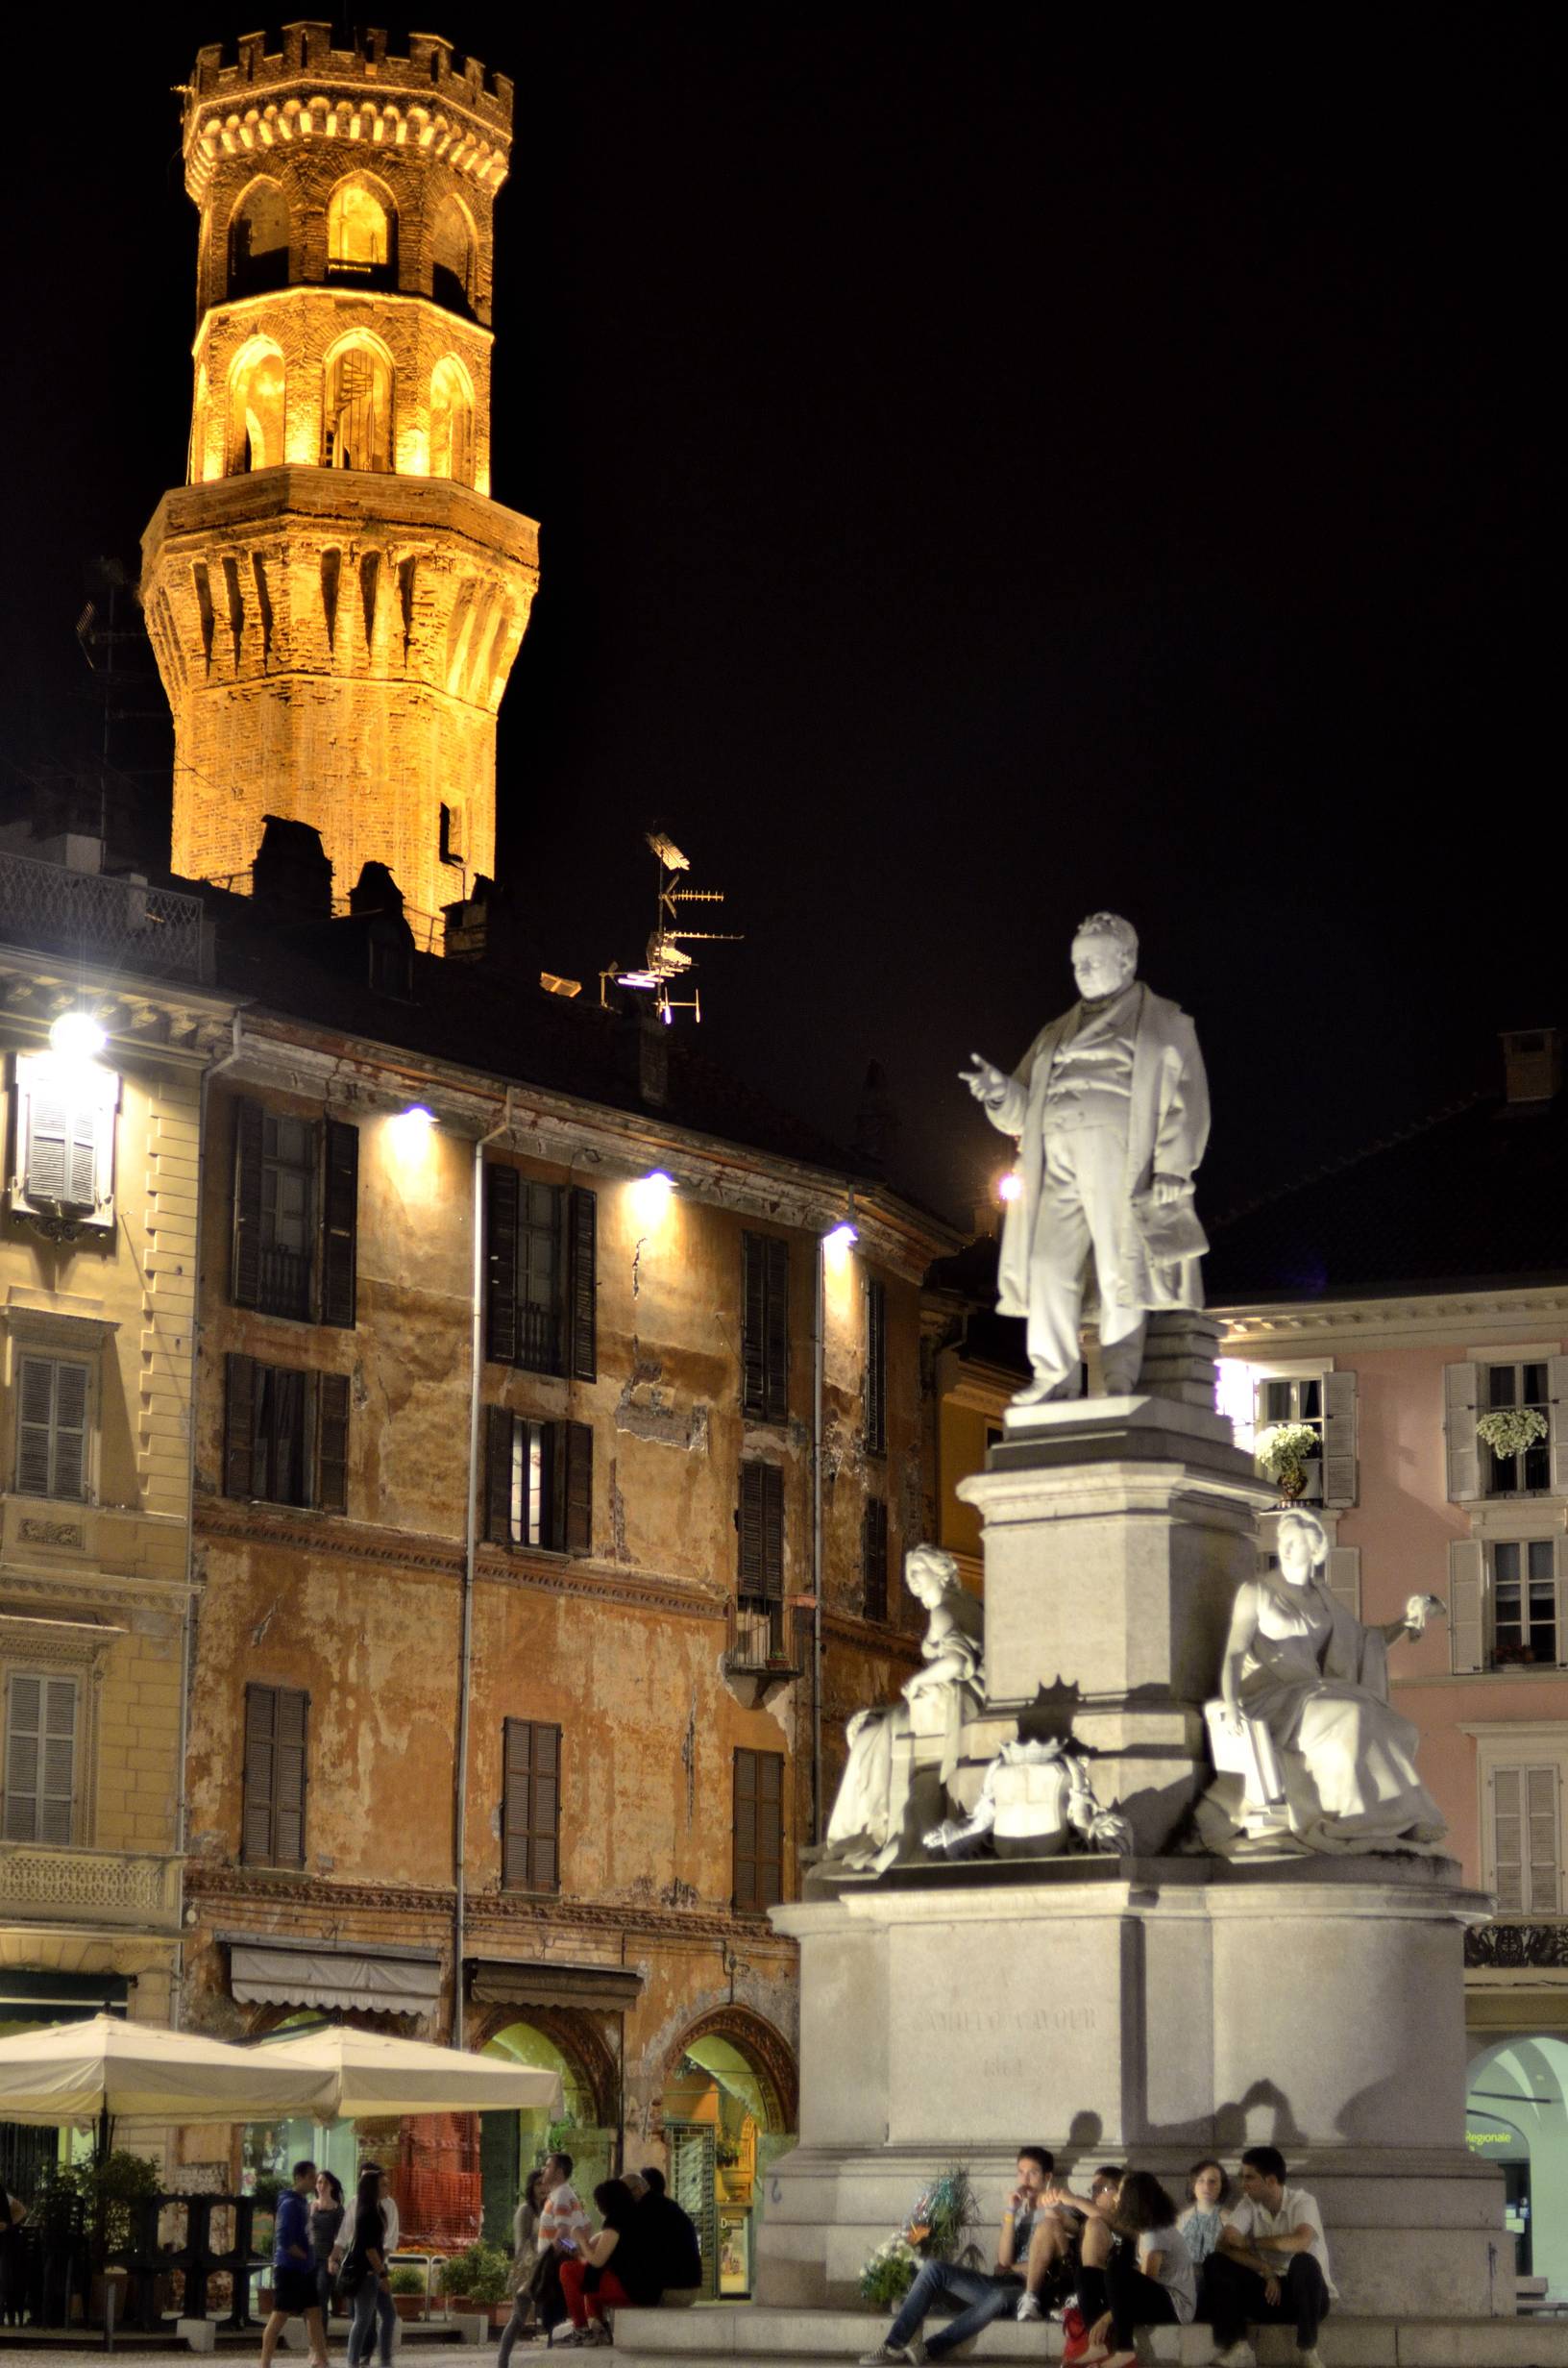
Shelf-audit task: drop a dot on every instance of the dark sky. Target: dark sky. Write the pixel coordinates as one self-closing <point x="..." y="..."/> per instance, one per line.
<point x="982" y="477"/>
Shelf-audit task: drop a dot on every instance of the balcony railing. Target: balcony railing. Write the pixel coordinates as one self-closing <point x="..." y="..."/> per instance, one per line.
<point x="94" y="918"/>
<point x="46" y="1881"/>
<point x="1508" y="1948"/>
<point x="285" y="1283"/>
<point x="760" y="1636"/>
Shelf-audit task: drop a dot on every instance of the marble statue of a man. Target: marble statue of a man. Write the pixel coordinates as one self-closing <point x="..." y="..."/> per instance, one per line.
<point x="1110" y="1109"/>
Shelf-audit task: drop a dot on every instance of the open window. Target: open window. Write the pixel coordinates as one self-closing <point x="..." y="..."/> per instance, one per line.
<point x="356" y="420"/>
<point x="255" y="408"/>
<point x="258" y="240"/>
<point x="451" y="421"/>
<point x="361" y="233"/>
<point x="453" y="259"/>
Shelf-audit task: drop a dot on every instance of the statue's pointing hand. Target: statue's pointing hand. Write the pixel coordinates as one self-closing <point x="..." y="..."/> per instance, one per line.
<point x="987" y="1084"/>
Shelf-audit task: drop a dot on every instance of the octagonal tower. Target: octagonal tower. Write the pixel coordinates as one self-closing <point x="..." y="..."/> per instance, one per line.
<point x="334" y="601"/>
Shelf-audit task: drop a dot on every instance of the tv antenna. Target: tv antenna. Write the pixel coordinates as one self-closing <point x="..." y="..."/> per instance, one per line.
<point x="667" y="963"/>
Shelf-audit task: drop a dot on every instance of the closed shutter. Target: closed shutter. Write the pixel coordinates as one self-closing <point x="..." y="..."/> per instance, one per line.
<point x="876" y="1367"/>
<point x="339" y="1255"/>
<point x="573" y="1475"/>
<point x="761" y="1524"/>
<point x="759" y="1829"/>
<point x="765" y="1327"/>
<point x="530" y="1816"/>
<point x="333" y="1443"/>
<point x="261" y="1721"/>
<point x="873" y="1561"/>
<point x="276" y="1718"/>
<point x="498" y="1476"/>
<point x="500" y="1208"/>
<point x="1526" y="1844"/>
<point x="1338" y="1439"/>
<point x="36" y="1404"/>
<point x="1342" y="1576"/>
<point x="291" y="1777"/>
<point x="60" y="1160"/>
<point x="1460" y="1388"/>
<point x="1467" y="1606"/>
<point x="1556" y="1389"/>
<point x="582" y="1294"/>
<point x="40" y="1758"/>
<point x="247" y="1253"/>
<point x="69" y="1477"/>
<point x="239" y="1427"/>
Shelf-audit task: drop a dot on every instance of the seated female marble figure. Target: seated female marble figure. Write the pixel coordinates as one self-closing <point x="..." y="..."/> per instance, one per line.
<point x="1312" y="1675"/>
<point x="867" y="1826"/>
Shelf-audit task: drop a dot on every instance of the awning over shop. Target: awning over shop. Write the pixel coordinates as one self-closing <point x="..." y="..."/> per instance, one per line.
<point x="273" y="1973"/>
<point x="507" y="1982"/>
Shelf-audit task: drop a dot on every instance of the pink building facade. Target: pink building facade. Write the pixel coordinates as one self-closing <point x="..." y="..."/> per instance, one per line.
<point x="1392" y="1307"/>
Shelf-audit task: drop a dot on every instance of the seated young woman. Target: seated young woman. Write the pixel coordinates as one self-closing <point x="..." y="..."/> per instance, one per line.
<point x="612" y="2267"/>
<point x="1145" y="2280"/>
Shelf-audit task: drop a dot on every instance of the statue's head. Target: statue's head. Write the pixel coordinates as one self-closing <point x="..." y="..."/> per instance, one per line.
<point x="1301" y="1544"/>
<point x="929" y="1574"/>
<point x="1104" y="954"/>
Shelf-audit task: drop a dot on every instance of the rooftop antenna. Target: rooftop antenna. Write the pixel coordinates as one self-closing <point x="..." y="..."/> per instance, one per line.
<point x="667" y="961"/>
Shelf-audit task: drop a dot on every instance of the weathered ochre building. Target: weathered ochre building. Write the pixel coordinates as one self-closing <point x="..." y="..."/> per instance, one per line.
<point x="526" y="1769"/>
<point x="106" y="1031"/>
<point x="334" y="599"/>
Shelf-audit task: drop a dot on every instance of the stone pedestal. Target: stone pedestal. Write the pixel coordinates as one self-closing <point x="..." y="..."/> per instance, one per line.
<point x="1144" y="2010"/>
<point x="1116" y="1531"/>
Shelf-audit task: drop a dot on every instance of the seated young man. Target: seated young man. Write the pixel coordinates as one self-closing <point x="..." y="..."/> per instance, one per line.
<point x="981" y="2298"/>
<point x="1271" y="2264"/>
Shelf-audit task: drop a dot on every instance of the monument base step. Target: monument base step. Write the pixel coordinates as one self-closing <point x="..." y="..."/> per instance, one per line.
<point x="730" y="2335"/>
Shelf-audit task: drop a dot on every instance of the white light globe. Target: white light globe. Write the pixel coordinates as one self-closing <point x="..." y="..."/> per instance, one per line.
<point x="76" y="1036"/>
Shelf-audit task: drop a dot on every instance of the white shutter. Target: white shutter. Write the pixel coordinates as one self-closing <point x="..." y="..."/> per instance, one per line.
<point x="82" y="1154"/>
<point x="1466" y="1605"/>
<point x="1338" y="1439"/>
<point x="69" y="1477"/>
<point x="1342" y="1577"/>
<point x="1508" y="1840"/>
<point x="46" y="1156"/>
<point x="24" y="1713"/>
<point x="1557" y="1391"/>
<point x="1540" y="1805"/>
<point x="35" y="1421"/>
<point x="1461" y="1384"/>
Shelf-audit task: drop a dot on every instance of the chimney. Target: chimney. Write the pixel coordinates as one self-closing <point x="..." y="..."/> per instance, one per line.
<point x="466" y="924"/>
<point x="1532" y="1064"/>
<point x="376" y="891"/>
<point x="290" y="873"/>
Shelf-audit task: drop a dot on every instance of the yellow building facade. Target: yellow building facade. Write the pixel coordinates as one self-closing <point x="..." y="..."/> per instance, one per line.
<point x="103" y="1063"/>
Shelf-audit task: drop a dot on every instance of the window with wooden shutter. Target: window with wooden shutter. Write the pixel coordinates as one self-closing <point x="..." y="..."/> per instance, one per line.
<point x="759" y="1829"/>
<point x="1466" y="1606"/>
<point x="1557" y="1411"/>
<point x="500" y="1202"/>
<point x="539" y="1483"/>
<point x="339" y="1254"/>
<point x="333" y="1443"/>
<point x="1339" y="1462"/>
<point x="876" y="1367"/>
<point x="530" y="1814"/>
<point x="583" y="1292"/>
<point x="276" y="1720"/>
<point x="1460" y="1392"/>
<point x="53" y="1396"/>
<point x="40" y="1757"/>
<point x="873" y="1560"/>
<point x="1516" y="1388"/>
<point x="540" y="1288"/>
<point x="1342" y="1577"/>
<point x="765" y="1327"/>
<point x="64" y="1142"/>
<point x="1525" y="1840"/>
<point x="286" y="1435"/>
<point x="759" y="1521"/>
<point x="1524" y="1626"/>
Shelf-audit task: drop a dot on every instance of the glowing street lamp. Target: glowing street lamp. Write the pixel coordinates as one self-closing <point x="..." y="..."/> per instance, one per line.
<point x="1009" y="1187"/>
<point x="77" y="1036"/>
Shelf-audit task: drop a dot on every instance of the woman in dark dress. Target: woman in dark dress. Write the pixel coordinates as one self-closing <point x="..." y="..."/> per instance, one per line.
<point x="326" y="2219"/>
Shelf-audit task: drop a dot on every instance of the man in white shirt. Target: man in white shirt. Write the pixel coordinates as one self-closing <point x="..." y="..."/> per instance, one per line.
<point x="564" y="2221"/>
<point x="1271" y="2264"/>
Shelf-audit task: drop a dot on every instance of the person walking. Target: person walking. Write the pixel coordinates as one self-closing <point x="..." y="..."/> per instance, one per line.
<point x="294" y="2271"/>
<point x="524" y="2263"/>
<point x="364" y="2272"/>
<point x="326" y="2219"/>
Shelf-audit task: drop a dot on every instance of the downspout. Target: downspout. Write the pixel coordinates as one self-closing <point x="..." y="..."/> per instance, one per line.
<point x="182" y="1802"/>
<point x="818" y="1327"/>
<point x="471" y="1553"/>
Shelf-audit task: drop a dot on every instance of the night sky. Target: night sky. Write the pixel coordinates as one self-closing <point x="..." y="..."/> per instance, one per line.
<point x="982" y="477"/>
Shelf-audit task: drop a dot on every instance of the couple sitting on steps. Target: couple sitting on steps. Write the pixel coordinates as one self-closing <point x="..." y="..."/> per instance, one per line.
<point x="1135" y="2263"/>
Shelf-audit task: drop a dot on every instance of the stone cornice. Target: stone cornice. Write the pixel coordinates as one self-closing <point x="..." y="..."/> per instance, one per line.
<point x="1397" y="1320"/>
<point x="553" y="1574"/>
<point x="519" y="1919"/>
<point x="587" y="1136"/>
<point x="871" y="1635"/>
<point x="180" y="1024"/>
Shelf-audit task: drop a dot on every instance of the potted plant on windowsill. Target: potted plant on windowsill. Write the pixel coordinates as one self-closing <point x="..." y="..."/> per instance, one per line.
<point x="1285" y="1450"/>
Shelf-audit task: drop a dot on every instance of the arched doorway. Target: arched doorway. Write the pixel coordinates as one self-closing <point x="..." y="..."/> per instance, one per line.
<point x="512" y="2145"/>
<point x="728" y="2110"/>
<point x="1516" y="2116"/>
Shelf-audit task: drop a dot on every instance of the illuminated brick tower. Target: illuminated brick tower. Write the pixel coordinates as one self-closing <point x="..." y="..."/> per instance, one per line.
<point x="334" y="601"/>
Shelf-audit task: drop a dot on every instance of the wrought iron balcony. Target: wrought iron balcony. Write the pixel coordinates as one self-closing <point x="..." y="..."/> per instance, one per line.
<point x="48" y="1883"/>
<point x="760" y="1653"/>
<point x="1508" y="1948"/>
<point x="95" y="918"/>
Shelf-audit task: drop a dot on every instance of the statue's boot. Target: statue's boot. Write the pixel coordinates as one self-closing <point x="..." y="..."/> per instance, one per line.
<point x="1047" y="1387"/>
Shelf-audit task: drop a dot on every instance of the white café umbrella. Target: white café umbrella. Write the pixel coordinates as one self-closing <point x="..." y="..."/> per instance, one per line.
<point x="107" y="2068"/>
<point x="363" y="2073"/>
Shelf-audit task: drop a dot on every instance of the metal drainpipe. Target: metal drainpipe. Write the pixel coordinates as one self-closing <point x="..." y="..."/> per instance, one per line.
<point x="465" y="1660"/>
<point x="818" y="1330"/>
<point x="182" y="1803"/>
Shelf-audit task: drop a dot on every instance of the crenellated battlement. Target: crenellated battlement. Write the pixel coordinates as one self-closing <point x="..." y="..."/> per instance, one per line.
<point x="307" y="90"/>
